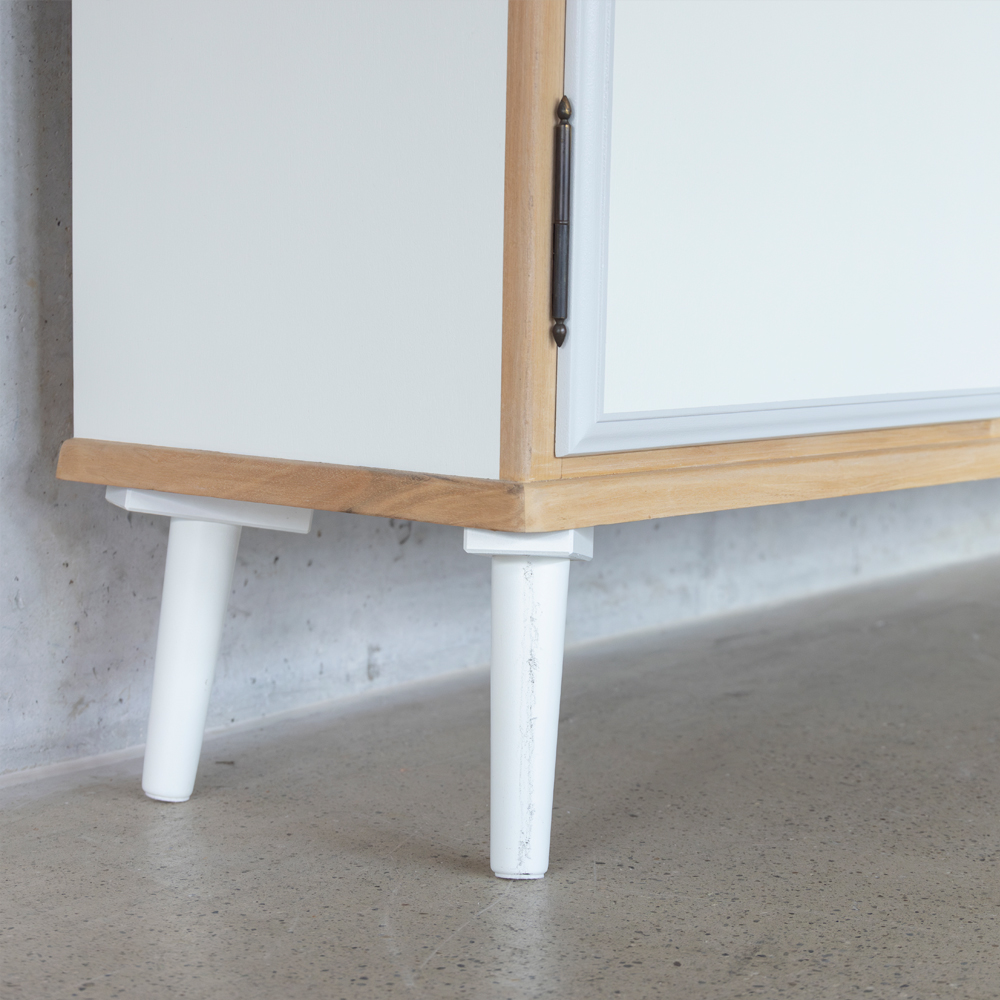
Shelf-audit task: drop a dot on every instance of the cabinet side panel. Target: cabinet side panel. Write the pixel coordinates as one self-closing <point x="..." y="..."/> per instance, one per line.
<point x="288" y="228"/>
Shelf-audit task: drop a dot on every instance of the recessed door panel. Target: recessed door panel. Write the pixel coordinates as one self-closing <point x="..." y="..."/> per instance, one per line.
<point x="792" y="211"/>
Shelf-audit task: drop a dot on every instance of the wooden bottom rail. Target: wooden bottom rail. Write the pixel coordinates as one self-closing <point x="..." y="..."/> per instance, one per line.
<point x="787" y="475"/>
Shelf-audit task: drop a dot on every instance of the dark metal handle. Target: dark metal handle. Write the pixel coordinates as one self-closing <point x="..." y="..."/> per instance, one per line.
<point x="560" y="223"/>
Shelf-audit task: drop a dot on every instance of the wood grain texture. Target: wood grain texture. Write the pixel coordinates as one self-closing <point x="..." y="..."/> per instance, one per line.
<point x="733" y="452"/>
<point x="535" y="57"/>
<point x="638" y="496"/>
<point x="474" y="503"/>
<point x="533" y="506"/>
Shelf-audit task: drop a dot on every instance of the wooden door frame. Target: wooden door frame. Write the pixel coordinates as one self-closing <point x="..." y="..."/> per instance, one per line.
<point x="536" y="42"/>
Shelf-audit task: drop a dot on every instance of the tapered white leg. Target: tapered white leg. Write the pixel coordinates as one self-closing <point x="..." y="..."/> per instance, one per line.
<point x="201" y="556"/>
<point x="529" y="626"/>
<point x="530" y="585"/>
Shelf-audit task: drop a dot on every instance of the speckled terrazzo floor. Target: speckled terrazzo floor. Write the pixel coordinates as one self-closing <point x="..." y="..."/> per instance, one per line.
<point x="798" y="802"/>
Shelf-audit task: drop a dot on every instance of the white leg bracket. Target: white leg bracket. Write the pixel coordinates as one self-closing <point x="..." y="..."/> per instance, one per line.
<point x="201" y="555"/>
<point x="530" y="583"/>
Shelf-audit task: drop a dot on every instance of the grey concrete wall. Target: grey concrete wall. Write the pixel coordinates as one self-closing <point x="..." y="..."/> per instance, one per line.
<point x="360" y="602"/>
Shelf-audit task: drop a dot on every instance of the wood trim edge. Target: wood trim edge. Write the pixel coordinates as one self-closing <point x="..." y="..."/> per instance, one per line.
<point x="535" y="58"/>
<point x="548" y="505"/>
<point x="469" y="503"/>
<point x="637" y="496"/>
<point x="776" y="449"/>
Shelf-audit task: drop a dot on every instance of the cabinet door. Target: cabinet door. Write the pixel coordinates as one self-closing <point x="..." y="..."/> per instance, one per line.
<point x="288" y="228"/>
<point x="786" y="219"/>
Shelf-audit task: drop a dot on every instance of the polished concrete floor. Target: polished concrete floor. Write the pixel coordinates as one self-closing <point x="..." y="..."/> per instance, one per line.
<point x="797" y="802"/>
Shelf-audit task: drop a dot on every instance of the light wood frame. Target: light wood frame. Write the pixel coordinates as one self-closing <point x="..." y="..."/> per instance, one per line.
<point x="636" y="487"/>
<point x="536" y="490"/>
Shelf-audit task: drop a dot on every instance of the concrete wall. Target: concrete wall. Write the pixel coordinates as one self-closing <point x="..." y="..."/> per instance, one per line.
<point x="360" y="602"/>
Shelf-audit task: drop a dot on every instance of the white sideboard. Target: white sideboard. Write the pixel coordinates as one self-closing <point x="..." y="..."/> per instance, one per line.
<point x="313" y="270"/>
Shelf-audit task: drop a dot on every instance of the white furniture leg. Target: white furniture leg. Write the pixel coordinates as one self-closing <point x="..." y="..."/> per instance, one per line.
<point x="530" y="582"/>
<point x="201" y="555"/>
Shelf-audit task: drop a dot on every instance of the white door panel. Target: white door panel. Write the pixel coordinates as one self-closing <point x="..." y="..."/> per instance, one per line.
<point x="793" y="212"/>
